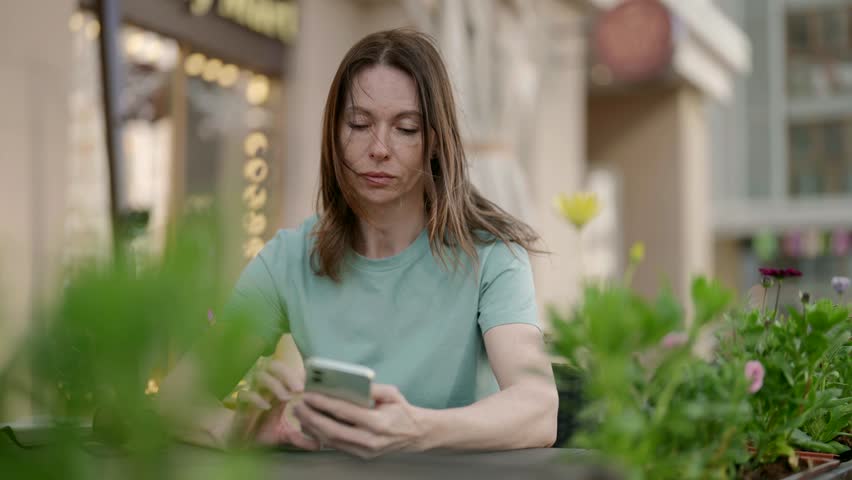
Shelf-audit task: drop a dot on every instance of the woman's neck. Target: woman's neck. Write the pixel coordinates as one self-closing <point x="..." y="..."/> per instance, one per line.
<point x="388" y="231"/>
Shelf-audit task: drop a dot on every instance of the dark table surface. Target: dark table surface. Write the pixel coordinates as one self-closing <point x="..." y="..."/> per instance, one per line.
<point x="188" y="461"/>
<point x="535" y="463"/>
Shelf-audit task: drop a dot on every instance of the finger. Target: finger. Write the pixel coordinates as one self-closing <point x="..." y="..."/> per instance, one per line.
<point x="298" y="439"/>
<point x="353" y="449"/>
<point x="293" y="378"/>
<point x="331" y="431"/>
<point x="250" y="423"/>
<point x="385" y="393"/>
<point x="274" y="385"/>
<point x="356" y="450"/>
<point x="244" y="425"/>
<point x="342" y="410"/>
<point x="254" y="399"/>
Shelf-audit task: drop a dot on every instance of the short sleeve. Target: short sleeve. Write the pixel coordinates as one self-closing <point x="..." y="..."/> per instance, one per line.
<point x="506" y="291"/>
<point x="253" y="320"/>
<point x="256" y="296"/>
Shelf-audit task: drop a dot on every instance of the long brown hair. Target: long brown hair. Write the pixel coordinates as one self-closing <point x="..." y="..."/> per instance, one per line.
<point x="458" y="217"/>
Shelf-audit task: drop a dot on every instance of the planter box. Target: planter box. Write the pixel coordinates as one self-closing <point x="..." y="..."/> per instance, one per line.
<point x="840" y="472"/>
<point x="817" y="466"/>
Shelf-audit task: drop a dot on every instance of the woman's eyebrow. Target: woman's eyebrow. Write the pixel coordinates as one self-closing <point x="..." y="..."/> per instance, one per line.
<point x="361" y="110"/>
<point x="408" y="113"/>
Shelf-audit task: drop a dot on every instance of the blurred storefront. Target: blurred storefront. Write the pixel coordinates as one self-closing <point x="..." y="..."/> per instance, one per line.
<point x="784" y="173"/>
<point x="201" y="115"/>
<point x="655" y="67"/>
<point x="222" y="101"/>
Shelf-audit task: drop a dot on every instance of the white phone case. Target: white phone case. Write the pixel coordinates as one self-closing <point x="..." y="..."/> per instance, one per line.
<point x="346" y="381"/>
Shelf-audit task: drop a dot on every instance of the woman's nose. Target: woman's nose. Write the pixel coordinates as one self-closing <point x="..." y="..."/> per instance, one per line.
<point x="378" y="146"/>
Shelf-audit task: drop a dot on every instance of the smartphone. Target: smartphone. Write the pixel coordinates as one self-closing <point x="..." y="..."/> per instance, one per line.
<point x="346" y="381"/>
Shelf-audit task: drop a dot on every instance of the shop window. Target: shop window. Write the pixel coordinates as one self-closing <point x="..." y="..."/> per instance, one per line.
<point x="819" y="52"/>
<point x="198" y="134"/>
<point x="820" y="158"/>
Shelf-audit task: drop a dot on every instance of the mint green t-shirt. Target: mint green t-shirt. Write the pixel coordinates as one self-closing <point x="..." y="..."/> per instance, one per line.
<point x="418" y="324"/>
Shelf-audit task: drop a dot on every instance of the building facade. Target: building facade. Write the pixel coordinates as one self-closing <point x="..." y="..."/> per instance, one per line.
<point x="783" y="180"/>
<point x="208" y="125"/>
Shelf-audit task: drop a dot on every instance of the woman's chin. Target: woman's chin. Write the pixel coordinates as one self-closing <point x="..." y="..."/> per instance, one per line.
<point x="378" y="199"/>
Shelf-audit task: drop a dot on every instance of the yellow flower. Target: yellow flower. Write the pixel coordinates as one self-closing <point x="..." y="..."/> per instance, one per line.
<point x="579" y="208"/>
<point x="637" y="252"/>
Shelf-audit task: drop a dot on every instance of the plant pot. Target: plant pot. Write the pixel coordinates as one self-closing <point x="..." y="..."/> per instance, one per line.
<point x="816" y="466"/>
<point x="812" y="465"/>
<point x="841" y="472"/>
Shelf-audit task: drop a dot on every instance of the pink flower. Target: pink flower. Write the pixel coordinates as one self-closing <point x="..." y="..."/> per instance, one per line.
<point x="211" y="319"/>
<point x="674" y="340"/>
<point x="755" y="372"/>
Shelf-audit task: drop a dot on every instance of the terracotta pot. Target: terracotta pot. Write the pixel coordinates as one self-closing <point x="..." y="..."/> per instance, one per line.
<point x="811" y="464"/>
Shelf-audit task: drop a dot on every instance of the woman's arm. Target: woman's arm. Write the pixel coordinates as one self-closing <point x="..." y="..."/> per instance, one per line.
<point x="197" y="416"/>
<point x="521" y="415"/>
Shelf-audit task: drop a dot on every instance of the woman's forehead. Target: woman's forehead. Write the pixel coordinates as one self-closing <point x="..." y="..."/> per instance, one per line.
<point x="383" y="90"/>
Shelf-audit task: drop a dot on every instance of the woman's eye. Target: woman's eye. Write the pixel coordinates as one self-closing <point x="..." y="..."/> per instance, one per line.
<point x="409" y="131"/>
<point x="358" y="126"/>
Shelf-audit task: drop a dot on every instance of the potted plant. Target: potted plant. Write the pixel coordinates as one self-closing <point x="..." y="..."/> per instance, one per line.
<point x="662" y="405"/>
<point x="805" y="403"/>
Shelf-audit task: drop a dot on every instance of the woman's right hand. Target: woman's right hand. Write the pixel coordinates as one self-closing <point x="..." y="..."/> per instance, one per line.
<point x="264" y="409"/>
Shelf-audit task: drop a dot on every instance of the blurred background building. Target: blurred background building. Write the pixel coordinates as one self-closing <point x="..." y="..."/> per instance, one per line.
<point x="783" y="175"/>
<point x="646" y="102"/>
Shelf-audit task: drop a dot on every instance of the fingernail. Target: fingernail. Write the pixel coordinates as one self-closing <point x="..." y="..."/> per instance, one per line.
<point x="264" y="405"/>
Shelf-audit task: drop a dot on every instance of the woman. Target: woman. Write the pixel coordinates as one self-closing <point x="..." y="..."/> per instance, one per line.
<point x="406" y="269"/>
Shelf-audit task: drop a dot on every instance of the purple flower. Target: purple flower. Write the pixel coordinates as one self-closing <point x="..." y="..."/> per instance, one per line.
<point x="840" y="284"/>
<point x="769" y="272"/>
<point x="754" y="372"/>
<point x="211" y="319"/>
<point x="780" y="273"/>
<point x="674" y="340"/>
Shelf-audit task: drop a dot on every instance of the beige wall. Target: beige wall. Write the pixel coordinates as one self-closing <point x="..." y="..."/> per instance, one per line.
<point x="328" y="28"/>
<point x="34" y="78"/>
<point x="558" y="161"/>
<point x="656" y="139"/>
<point x="728" y="264"/>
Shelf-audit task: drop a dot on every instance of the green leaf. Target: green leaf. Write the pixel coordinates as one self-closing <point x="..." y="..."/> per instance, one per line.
<point x="819" y="321"/>
<point x="710" y="300"/>
<point x="804" y="441"/>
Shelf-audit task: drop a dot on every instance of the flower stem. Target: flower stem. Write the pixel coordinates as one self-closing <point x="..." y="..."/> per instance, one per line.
<point x="777" y="297"/>
<point x="763" y="305"/>
<point x="581" y="260"/>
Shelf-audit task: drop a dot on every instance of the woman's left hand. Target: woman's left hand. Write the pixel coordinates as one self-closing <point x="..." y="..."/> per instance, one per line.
<point x="392" y="425"/>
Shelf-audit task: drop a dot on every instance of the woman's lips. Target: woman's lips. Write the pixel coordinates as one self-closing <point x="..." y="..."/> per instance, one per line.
<point x="377" y="179"/>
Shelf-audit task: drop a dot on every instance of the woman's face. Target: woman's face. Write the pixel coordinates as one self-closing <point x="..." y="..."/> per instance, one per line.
<point x="382" y="138"/>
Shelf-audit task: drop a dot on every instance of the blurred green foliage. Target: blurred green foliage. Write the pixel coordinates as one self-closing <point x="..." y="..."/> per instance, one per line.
<point x="101" y="349"/>
<point x="664" y="408"/>
<point x="650" y="403"/>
